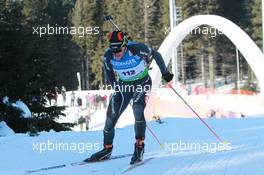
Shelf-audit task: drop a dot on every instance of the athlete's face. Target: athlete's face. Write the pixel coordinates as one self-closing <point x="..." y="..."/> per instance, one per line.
<point x="119" y="55"/>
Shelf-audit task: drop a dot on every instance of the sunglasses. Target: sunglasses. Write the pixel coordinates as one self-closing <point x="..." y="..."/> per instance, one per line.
<point x="117" y="50"/>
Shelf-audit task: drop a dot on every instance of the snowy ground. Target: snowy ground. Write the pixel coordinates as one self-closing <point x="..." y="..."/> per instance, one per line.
<point x="244" y="153"/>
<point x="189" y="148"/>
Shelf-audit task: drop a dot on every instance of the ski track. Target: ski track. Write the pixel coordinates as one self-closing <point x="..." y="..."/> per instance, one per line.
<point x="245" y="157"/>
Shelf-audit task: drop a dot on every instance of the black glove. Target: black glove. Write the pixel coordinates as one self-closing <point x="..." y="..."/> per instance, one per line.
<point x="167" y="76"/>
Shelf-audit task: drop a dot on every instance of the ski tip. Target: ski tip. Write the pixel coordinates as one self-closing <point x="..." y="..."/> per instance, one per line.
<point x="88" y="160"/>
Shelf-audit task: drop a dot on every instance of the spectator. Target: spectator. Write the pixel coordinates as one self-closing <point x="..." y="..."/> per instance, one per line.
<point x="88" y="100"/>
<point x="88" y="119"/>
<point x="72" y="98"/>
<point x="93" y="101"/>
<point x="81" y="122"/>
<point x="105" y="101"/>
<point x="97" y="101"/>
<point x="52" y="95"/>
<point x="63" y="93"/>
<point x="79" y="102"/>
<point x="189" y="89"/>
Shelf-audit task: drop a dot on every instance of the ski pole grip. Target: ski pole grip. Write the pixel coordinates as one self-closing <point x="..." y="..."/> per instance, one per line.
<point x="108" y="17"/>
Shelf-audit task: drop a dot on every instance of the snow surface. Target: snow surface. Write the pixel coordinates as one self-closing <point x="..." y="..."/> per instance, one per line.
<point x="244" y="154"/>
<point x="19" y="105"/>
<point x="26" y="113"/>
<point x="5" y="130"/>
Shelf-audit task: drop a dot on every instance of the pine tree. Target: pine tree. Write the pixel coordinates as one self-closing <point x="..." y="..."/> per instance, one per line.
<point x="198" y="44"/>
<point x="255" y="28"/>
<point x="89" y="14"/>
<point x="216" y="54"/>
<point x="152" y="22"/>
<point x="226" y="50"/>
<point x="27" y="73"/>
<point x="64" y="52"/>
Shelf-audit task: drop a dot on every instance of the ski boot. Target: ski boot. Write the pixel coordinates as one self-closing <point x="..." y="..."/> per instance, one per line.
<point x="104" y="154"/>
<point x="138" y="152"/>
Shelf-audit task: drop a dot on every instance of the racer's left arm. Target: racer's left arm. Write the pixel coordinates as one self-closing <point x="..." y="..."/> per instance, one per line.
<point x="149" y="54"/>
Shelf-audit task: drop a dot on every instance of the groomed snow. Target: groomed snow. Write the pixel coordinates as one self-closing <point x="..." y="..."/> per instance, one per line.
<point x="243" y="154"/>
<point x="5" y="130"/>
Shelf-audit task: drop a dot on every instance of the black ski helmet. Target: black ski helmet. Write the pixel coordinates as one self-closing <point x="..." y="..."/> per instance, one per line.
<point x="117" y="40"/>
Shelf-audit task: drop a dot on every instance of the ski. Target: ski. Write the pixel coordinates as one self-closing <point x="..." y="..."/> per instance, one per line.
<point x="76" y="164"/>
<point x="133" y="166"/>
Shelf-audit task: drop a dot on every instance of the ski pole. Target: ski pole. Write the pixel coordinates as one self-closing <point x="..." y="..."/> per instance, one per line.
<point x="152" y="133"/>
<point x="156" y="138"/>
<point x="109" y="18"/>
<point x="218" y="138"/>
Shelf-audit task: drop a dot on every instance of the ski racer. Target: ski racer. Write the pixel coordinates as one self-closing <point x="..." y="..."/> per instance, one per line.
<point x="126" y="70"/>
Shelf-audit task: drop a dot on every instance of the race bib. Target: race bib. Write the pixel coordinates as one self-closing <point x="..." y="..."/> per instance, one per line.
<point x="130" y="68"/>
